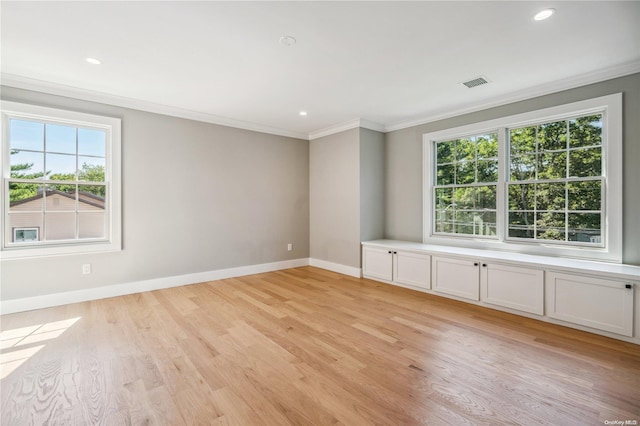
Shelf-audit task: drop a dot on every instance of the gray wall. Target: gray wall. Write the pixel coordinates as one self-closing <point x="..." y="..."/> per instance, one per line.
<point x="242" y="196"/>
<point x="334" y="180"/>
<point x="346" y="194"/>
<point x="371" y="185"/>
<point x="196" y="197"/>
<point x="403" y="157"/>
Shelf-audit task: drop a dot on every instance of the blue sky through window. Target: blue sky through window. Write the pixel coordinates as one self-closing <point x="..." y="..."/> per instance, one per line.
<point x="36" y="142"/>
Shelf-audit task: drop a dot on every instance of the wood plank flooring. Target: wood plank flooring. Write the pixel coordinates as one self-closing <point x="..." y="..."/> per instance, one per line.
<point x="306" y="346"/>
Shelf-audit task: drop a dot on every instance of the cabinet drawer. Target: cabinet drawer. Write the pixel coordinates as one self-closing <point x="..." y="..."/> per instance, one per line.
<point x="513" y="287"/>
<point x="593" y="302"/>
<point x="456" y="277"/>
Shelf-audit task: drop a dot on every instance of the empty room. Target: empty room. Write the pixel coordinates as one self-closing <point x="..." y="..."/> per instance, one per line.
<point x="320" y="213"/>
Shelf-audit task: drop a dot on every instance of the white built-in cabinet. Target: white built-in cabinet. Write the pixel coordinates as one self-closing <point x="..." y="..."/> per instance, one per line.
<point x="457" y="277"/>
<point x="378" y="263"/>
<point x="508" y="286"/>
<point x="591" y="296"/>
<point x="397" y="266"/>
<point x="603" y="304"/>
<point x="514" y="287"/>
<point x="412" y="268"/>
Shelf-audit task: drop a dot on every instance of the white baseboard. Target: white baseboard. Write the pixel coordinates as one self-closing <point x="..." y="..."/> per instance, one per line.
<point x="336" y="267"/>
<point x="96" y="293"/>
<point x="57" y="299"/>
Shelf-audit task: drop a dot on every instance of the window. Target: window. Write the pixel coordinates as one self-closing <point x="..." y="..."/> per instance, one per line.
<point x="544" y="182"/>
<point x="466" y="185"/>
<point x="61" y="181"/>
<point x="556" y="182"/>
<point x="25" y="234"/>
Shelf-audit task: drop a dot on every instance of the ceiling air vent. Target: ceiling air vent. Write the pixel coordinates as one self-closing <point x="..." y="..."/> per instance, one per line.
<point x="479" y="81"/>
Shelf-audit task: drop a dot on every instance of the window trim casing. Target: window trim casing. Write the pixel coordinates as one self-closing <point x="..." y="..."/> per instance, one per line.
<point x="611" y="108"/>
<point x="113" y="179"/>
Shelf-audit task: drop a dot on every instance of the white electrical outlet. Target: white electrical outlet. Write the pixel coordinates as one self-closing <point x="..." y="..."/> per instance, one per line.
<point x="86" y="269"/>
<point x="289" y="247"/>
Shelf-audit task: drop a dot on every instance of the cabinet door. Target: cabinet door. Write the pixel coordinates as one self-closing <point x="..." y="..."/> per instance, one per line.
<point x="513" y="287"/>
<point x="412" y="269"/>
<point x="456" y="277"/>
<point x="377" y="263"/>
<point x="593" y="302"/>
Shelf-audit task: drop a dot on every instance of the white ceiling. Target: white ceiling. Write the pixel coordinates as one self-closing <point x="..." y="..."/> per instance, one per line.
<point x="389" y="64"/>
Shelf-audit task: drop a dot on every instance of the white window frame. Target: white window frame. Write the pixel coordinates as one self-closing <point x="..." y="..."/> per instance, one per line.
<point x="113" y="178"/>
<point x="610" y="107"/>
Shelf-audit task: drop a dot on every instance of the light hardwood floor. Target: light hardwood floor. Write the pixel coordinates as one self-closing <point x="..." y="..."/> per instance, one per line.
<point x="306" y="346"/>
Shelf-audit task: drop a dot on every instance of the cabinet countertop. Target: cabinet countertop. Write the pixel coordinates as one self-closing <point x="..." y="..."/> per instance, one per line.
<point x="621" y="271"/>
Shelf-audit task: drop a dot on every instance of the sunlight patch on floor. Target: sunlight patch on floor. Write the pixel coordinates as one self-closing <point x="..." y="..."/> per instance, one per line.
<point x="19" y="344"/>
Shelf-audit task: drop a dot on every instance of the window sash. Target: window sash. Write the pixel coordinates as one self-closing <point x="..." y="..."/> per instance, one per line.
<point x="566" y="212"/>
<point x="77" y="211"/>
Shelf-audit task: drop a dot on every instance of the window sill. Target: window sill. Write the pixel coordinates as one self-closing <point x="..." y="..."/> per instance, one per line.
<point x="15" y="253"/>
<point x="534" y="248"/>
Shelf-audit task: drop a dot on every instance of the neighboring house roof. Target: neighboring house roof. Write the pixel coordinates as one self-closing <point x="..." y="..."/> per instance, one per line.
<point x="84" y="197"/>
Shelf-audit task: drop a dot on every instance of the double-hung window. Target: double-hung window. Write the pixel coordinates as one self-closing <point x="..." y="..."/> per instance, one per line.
<point x="556" y="182"/>
<point x="544" y="182"/>
<point x="61" y="181"/>
<point x="466" y="185"/>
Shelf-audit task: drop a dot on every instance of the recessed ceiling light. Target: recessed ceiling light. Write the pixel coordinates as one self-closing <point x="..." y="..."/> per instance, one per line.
<point x="287" y="40"/>
<point x="303" y="113"/>
<point x="544" y="14"/>
<point x="93" y="61"/>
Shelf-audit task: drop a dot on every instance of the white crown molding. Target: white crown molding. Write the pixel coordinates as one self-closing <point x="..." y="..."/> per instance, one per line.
<point x="352" y="124"/>
<point x="121" y="101"/>
<point x="371" y="125"/>
<point x="347" y="125"/>
<point x="529" y="93"/>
